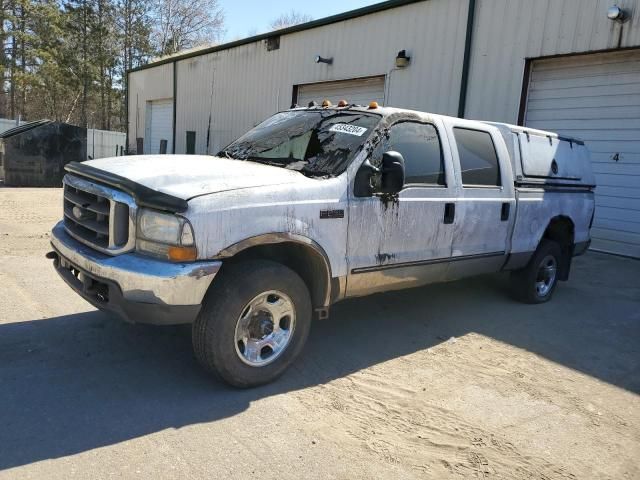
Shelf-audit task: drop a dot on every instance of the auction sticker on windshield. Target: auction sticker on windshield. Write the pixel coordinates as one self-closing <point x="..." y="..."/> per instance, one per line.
<point x="350" y="129"/>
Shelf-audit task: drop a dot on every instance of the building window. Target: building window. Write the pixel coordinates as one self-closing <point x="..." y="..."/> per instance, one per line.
<point x="273" y="43"/>
<point x="191" y="143"/>
<point x="478" y="158"/>
<point x="419" y="144"/>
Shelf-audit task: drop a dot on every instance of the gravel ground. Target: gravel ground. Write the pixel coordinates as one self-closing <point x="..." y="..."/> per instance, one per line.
<point x="447" y="381"/>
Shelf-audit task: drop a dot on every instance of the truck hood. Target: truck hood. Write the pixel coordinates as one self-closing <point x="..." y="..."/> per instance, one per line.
<point x="188" y="176"/>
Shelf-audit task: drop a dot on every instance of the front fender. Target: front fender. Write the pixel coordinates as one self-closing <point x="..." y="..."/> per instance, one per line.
<point x="310" y="262"/>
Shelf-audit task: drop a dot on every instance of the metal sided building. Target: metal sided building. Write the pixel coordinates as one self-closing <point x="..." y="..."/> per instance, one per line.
<point x="571" y="66"/>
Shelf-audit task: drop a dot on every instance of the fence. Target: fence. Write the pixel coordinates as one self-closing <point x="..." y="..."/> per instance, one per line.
<point x="103" y="143"/>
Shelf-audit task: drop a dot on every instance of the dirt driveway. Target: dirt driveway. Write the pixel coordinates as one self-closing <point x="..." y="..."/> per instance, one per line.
<point x="448" y="381"/>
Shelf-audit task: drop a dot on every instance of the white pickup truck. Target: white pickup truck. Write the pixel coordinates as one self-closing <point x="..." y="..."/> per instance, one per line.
<point x="312" y="206"/>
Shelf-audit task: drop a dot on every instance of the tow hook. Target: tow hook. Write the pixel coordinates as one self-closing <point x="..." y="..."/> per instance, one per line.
<point x="53" y="256"/>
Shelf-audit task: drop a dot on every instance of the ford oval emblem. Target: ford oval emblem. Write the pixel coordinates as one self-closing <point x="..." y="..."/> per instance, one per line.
<point x="78" y="213"/>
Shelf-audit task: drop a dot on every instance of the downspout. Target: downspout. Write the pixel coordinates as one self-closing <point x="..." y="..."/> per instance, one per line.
<point x="175" y="103"/>
<point x="126" y="113"/>
<point x="466" y="60"/>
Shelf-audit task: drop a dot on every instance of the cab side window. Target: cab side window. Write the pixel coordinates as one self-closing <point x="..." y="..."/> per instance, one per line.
<point x="478" y="158"/>
<point x="420" y="146"/>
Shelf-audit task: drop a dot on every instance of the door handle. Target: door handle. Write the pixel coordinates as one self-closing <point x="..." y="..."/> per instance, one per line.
<point x="449" y="213"/>
<point x="506" y="209"/>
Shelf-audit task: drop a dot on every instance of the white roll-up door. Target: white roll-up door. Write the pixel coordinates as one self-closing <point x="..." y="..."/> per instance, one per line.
<point x="159" y="125"/>
<point x="596" y="98"/>
<point x="361" y="91"/>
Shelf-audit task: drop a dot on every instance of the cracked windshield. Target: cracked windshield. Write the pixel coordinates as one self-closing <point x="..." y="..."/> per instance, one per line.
<point x="315" y="143"/>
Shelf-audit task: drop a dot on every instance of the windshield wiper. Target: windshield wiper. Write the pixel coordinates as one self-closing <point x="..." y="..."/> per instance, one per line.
<point x="282" y="162"/>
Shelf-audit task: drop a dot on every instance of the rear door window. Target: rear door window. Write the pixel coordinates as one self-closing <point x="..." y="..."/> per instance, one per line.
<point x="478" y="158"/>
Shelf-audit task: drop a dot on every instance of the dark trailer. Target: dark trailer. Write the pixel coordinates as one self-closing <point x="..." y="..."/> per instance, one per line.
<point x="34" y="154"/>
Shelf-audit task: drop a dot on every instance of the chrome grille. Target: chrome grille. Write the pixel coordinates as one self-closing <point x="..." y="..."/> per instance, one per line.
<point x="99" y="216"/>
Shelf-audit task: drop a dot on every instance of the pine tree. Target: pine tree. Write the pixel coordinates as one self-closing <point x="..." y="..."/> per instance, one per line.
<point x="67" y="60"/>
<point x="81" y="20"/>
<point x="4" y="9"/>
<point x="134" y="31"/>
<point x="55" y="78"/>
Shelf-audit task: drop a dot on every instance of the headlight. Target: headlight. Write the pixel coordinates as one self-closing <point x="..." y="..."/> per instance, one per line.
<point x="165" y="235"/>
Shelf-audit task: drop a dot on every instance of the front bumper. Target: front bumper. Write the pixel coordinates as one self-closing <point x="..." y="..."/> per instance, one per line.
<point x="138" y="288"/>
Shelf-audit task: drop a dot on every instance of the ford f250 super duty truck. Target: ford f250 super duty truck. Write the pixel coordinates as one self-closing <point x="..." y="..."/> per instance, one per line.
<point x="312" y="206"/>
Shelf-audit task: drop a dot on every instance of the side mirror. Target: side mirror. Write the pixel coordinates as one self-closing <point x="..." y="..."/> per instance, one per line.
<point x="363" y="185"/>
<point x="392" y="171"/>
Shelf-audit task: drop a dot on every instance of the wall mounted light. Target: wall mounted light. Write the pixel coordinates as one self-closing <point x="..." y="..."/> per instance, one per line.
<point x="320" y="59"/>
<point x="617" y="14"/>
<point x="402" y="60"/>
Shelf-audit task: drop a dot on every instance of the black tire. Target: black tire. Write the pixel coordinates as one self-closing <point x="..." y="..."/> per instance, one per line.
<point x="214" y="331"/>
<point x="526" y="284"/>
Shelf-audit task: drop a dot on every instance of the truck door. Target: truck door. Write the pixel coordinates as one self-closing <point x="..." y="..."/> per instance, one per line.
<point x="404" y="242"/>
<point x="486" y="204"/>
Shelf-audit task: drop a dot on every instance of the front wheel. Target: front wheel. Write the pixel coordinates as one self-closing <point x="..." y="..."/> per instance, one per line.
<point x="537" y="281"/>
<point x="253" y="323"/>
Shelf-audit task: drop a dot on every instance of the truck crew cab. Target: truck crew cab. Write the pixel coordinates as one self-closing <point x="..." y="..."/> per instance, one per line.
<point x="312" y="206"/>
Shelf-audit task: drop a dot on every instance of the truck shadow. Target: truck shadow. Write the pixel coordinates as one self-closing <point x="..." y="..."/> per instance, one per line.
<point x="79" y="382"/>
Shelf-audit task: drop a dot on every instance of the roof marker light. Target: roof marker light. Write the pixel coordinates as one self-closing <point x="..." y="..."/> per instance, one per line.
<point x="373" y="105"/>
<point x="326" y="103"/>
<point x="343" y="103"/>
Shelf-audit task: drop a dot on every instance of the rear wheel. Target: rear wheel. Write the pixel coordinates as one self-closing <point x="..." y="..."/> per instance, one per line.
<point x="538" y="280"/>
<point x="253" y="323"/>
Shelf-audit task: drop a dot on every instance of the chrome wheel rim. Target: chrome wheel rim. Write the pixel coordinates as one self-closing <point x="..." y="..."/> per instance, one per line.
<point x="264" y="328"/>
<point x="546" y="277"/>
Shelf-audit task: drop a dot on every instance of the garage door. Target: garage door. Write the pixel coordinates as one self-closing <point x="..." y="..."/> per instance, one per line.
<point x="360" y="91"/>
<point x="159" y="125"/>
<point x="597" y="98"/>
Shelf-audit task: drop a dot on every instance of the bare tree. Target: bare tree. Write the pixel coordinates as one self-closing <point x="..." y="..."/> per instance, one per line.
<point x="289" y="19"/>
<point x="181" y="24"/>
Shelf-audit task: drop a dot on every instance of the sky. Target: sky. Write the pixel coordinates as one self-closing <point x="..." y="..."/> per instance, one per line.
<point x="244" y="18"/>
